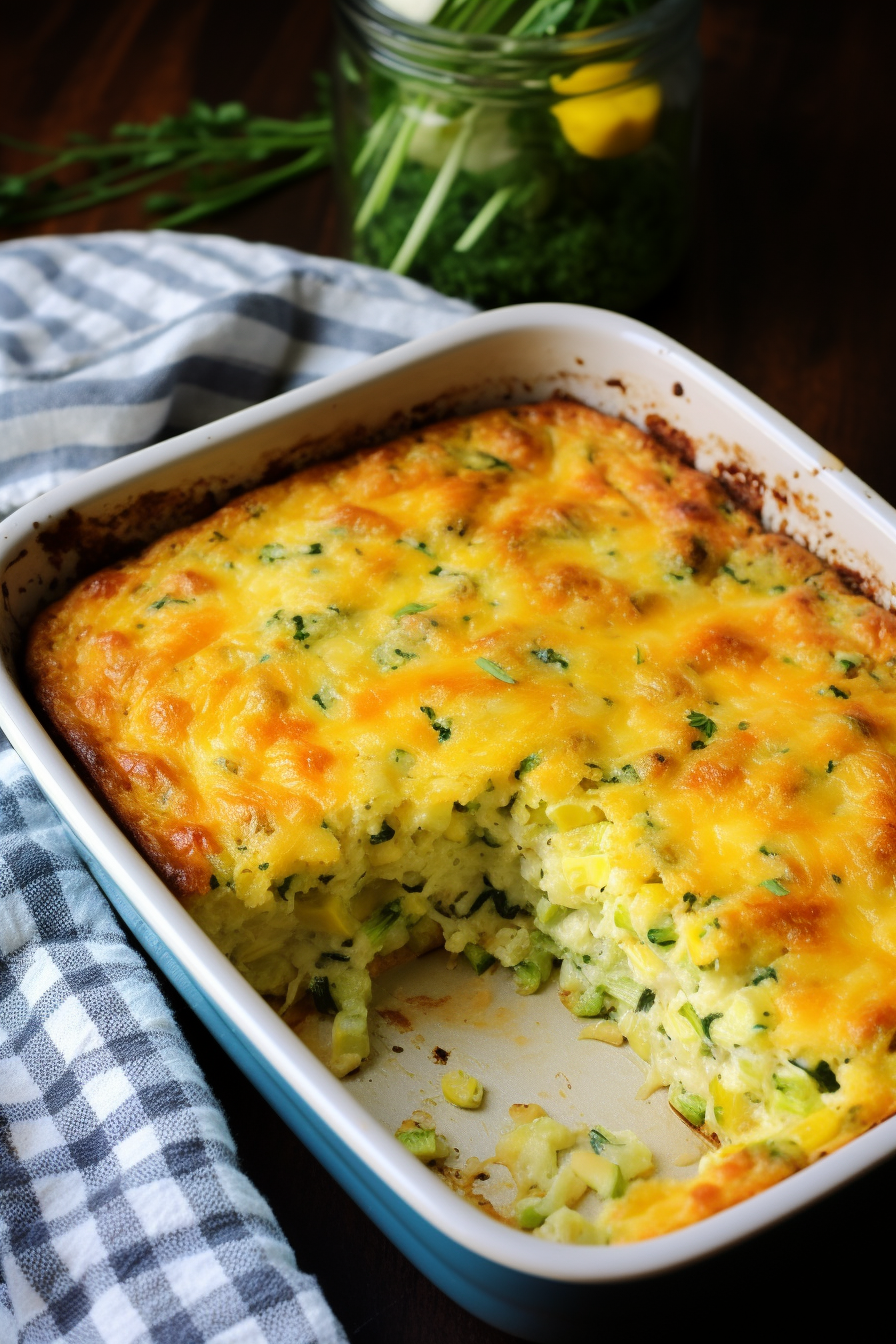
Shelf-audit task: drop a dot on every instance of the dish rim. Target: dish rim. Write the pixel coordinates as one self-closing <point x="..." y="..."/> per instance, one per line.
<point x="214" y="976"/>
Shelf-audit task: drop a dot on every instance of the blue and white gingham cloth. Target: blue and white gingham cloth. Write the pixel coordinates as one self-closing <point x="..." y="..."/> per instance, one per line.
<point x="124" y="1216"/>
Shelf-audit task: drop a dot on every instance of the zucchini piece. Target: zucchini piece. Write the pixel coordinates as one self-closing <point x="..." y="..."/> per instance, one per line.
<point x="423" y="1143"/>
<point x="622" y="919"/>
<point x="532" y="973"/>
<point x="527" y="976"/>
<point x="568" y="1226"/>
<point x="598" y="1172"/>
<point x="590" y="1002"/>
<point x="351" y="1041"/>
<point x="548" y="913"/>
<point x="688" y="1105"/>
<point x="632" y="1157"/>
<point x="478" y="958"/>
<point x="795" y="1090"/>
<point x="530" y="1216"/>
<point x="566" y="1188"/>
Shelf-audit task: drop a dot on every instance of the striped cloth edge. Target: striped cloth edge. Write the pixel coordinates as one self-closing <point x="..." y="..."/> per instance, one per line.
<point x="114" y="341"/>
<point x="124" y="1217"/>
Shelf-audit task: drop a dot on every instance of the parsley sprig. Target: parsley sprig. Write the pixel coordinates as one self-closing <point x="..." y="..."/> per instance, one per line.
<point x="211" y="154"/>
<point x="702" y="723"/>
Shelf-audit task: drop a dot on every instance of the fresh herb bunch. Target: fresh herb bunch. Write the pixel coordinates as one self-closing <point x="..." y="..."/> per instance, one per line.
<point x="213" y="153"/>
<point x="622" y="247"/>
<point x="574" y="189"/>
<point x="528" y="18"/>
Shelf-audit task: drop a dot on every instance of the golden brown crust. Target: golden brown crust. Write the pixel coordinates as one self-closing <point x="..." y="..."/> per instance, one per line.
<point x="543" y="587"/>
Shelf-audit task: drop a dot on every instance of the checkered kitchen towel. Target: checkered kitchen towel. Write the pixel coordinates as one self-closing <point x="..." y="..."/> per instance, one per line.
<point x="124" y="1217"/>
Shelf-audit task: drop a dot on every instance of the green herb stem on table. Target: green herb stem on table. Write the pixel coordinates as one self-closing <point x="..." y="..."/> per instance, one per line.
<point x="212" y="156"/>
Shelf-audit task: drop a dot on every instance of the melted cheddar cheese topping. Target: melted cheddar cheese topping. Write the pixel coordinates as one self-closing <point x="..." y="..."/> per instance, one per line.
<point x="527" y="684"/>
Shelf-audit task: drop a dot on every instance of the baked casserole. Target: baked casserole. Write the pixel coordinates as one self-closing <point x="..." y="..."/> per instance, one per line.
<point x="527" y="685"/>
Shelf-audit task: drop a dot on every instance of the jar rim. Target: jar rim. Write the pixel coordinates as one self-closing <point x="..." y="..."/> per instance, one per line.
<point x="658" y="21"/>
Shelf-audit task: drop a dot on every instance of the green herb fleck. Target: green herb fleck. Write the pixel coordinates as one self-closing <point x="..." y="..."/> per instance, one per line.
<point x="646" y="1001"/>
<point x="764" y="973"/>
<point x="639" y="657"/>
<point x="832" y="766"/>
<point x="626" y="775"/>
<point x="263" y="867"/>
<point x="527" y="763"/>
<point x="836" y="691"/>
<point x="301" y="633"/>
<point x="494" y="670"/>
<point x="440" y="726"/>
<point x="321" y="993"/>
<point x="411" y="608"/>
<point x="743" y="725"/>
<point x="663" y="937"/>
<point x="822" y="1073"/>
<point x="385" y="833"/>
<point x="775" y="887"/>
<point x="726" y="569"/>
<point x="837" y="879"/>
<point x="550" y="656"/>
<point x="319" y="700"/>
<point x="273" y="550"/>
<point x="167" y="599"/>
<point x="701" y="722"/>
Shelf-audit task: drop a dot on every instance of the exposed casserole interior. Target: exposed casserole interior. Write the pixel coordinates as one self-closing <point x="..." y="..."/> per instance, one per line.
<point x="529" y="685"/>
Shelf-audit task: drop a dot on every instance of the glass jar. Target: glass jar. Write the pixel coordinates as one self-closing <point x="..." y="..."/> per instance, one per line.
<point x="504" y="170"/>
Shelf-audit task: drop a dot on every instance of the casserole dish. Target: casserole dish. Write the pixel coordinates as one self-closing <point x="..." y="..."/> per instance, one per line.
<point x="535" y="1290"/>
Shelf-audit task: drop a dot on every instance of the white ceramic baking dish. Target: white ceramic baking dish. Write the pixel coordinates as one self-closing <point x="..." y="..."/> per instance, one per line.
<point x="533" y="1289"/>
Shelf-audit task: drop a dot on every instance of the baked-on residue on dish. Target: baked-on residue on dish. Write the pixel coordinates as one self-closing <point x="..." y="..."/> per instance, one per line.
<point x="527" y="684"/>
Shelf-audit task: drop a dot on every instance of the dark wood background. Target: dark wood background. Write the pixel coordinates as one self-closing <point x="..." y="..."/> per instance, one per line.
<point x="789" y="287"/>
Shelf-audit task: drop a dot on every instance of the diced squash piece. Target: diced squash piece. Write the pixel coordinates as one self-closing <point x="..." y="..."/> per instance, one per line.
<point x="598" y="1172"/>
<point x="566" y="1225"/>
<point x="586" y="870"/>
<point x="608" y="1032"/>
<point x="815" y="1130"/>
<point x="530" y="1153"/>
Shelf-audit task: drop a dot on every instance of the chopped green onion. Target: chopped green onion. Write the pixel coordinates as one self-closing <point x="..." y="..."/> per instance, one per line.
<point x="478" y="958"/>
<point x="321" y="993"/>
<point x="488" y="666"/>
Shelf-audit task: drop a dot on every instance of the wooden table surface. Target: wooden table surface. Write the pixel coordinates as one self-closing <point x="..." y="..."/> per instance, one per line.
<point x="789" y="287"/>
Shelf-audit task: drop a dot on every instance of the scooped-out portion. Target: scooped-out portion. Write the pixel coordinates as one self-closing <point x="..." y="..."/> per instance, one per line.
<point x="527" y="685"/>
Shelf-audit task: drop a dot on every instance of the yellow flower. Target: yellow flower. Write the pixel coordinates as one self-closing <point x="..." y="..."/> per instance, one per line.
<point x="603" y="122"/>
